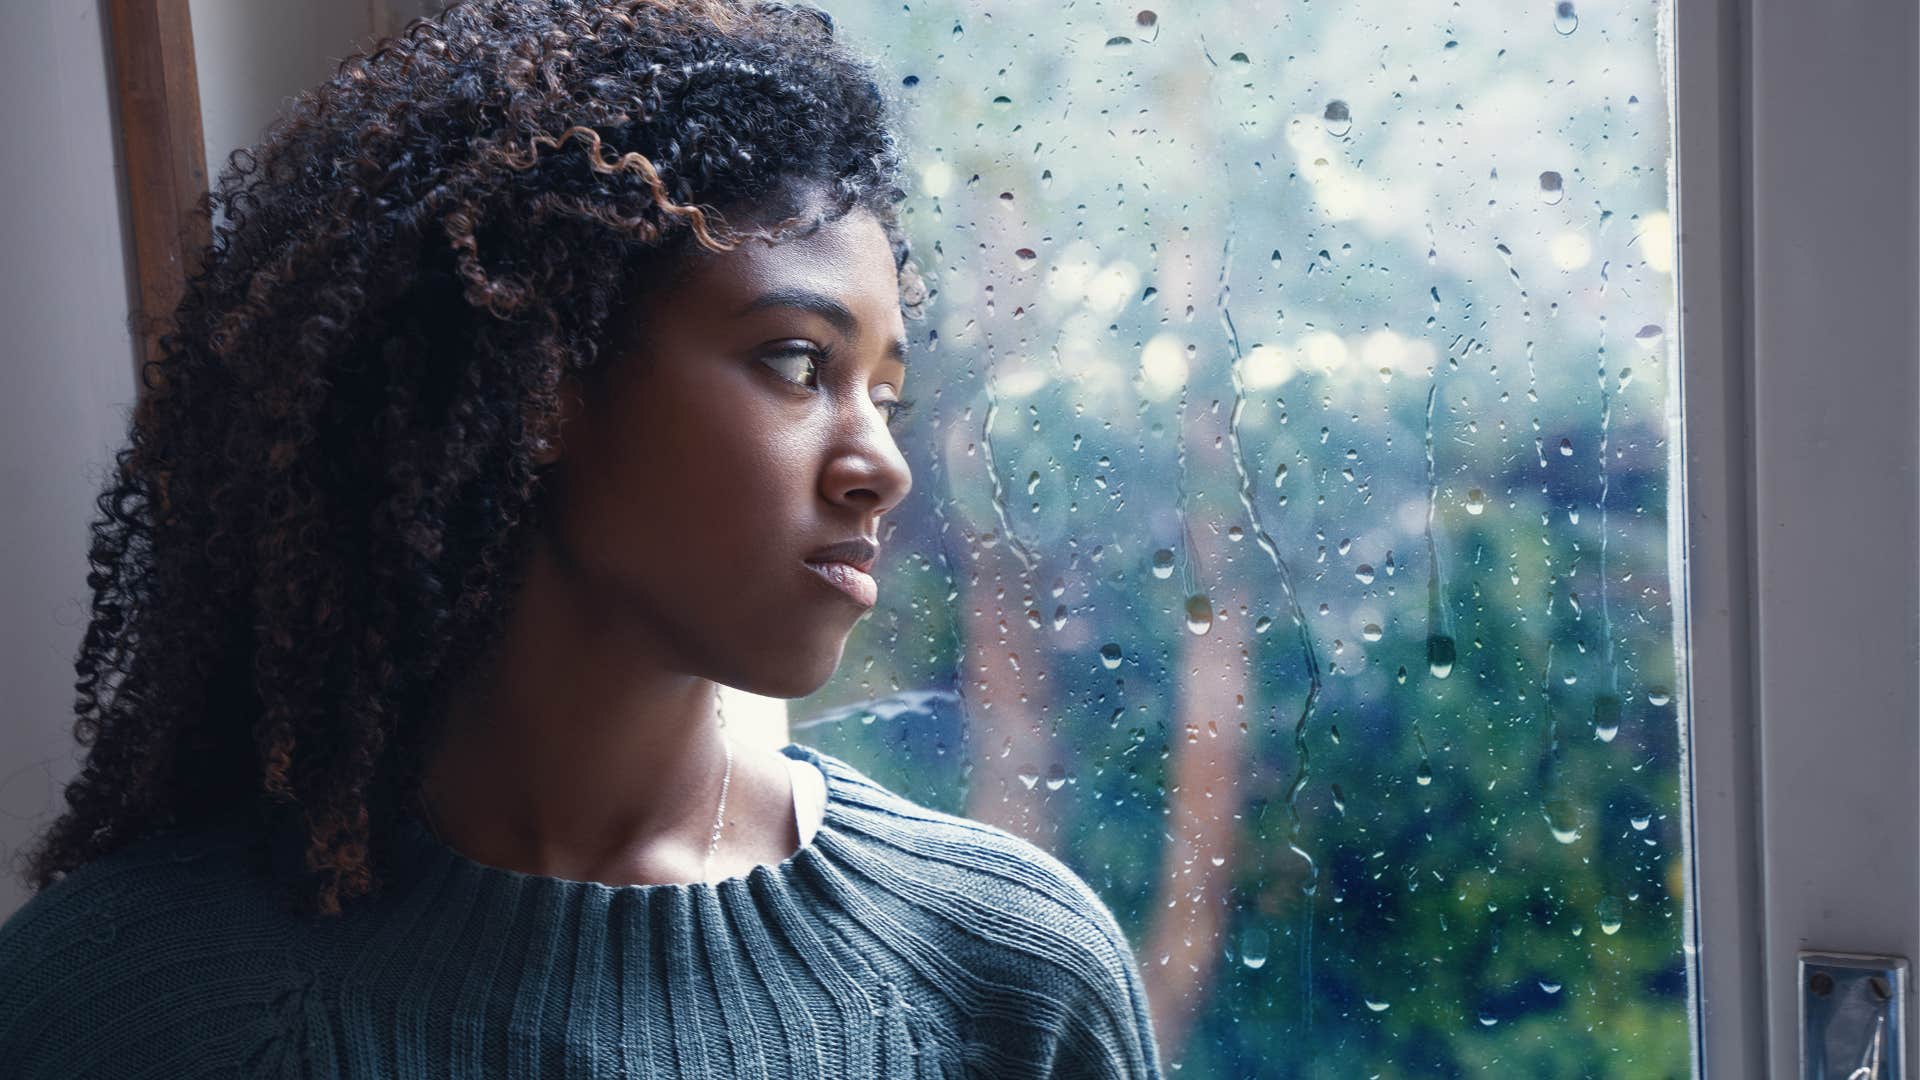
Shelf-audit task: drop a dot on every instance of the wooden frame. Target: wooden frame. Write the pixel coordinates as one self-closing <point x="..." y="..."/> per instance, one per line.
<point x="164" y="154"/>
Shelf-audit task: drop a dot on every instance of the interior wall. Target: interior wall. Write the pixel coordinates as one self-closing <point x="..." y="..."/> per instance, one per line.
<point x="66" y="382"/>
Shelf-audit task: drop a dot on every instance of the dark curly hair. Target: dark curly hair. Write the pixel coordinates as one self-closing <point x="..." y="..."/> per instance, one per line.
<point x="329" y="486"/>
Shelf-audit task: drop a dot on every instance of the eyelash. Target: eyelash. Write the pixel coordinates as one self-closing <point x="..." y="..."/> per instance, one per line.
<point x="823" y="357"/>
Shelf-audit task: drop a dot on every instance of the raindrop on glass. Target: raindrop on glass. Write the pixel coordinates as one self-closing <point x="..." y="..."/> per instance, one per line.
<point x="1364" y="572"/>
<point x="1163" y="563"/>
<point x="1253" y="947"/>
<point x="1564" y="20"/>
<point x="1609" y="912"/>
<point x="1440" y="655"/>
<point x="1606" y="717"/>
<point x="1476" y="501"/>
<point x="1337" y="118"/>
<point x="1056" y="777"/>
<point x="1562" y="821"/>
<point x="1424" y="774"/>
<point x="1550" y="188"/>
<point x="1199" y="614"/>
<point x="1110" y="656"/>
<point x="1370" y="632"/>
<point x="1377" y="1006"/>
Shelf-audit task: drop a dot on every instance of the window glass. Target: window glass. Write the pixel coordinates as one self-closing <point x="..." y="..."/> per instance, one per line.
<point x="1290" y="545"/>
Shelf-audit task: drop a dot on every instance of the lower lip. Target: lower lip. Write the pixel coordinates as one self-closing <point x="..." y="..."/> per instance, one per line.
<point x="856" y="584"/>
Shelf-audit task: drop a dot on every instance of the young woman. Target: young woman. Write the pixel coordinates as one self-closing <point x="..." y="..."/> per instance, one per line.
<point x="536" y="384"/>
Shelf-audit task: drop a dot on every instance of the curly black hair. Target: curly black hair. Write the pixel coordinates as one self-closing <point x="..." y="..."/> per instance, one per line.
<point x="329" y="485"/>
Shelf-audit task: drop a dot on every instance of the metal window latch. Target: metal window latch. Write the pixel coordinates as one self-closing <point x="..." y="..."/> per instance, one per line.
<point x="1852" y="1017"/>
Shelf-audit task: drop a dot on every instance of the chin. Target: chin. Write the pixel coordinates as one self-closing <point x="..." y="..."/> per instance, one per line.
<point x="800" y="676"/>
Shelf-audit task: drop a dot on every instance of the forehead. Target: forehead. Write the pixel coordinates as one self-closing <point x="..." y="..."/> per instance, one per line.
<point x="849" y="259"/>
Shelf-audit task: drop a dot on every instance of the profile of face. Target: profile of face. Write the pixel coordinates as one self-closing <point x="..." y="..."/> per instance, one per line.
<point x="744" y="430"/>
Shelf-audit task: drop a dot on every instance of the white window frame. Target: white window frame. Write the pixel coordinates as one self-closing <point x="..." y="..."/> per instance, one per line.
<point x="1798" y="189"/>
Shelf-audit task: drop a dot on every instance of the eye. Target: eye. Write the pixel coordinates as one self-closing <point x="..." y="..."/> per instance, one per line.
<point x="896" y="410"/>
<point x="799" y="358"/>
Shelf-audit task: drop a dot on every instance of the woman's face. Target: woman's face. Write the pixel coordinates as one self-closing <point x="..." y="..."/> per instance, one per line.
<point x="721" y="452"/>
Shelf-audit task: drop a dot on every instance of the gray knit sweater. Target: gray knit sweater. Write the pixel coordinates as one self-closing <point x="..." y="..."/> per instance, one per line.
<point x="898" y="942"/>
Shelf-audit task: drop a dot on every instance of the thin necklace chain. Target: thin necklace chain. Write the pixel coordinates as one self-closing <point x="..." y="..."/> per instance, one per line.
<point x="719" y="814"/>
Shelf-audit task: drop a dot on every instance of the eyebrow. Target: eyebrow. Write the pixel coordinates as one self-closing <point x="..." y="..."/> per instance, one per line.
<point x="827" y="308"/>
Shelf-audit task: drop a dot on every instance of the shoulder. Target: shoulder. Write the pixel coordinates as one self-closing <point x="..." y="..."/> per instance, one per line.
<point x="93" y="967"/>
<point x="1023" y="925"/>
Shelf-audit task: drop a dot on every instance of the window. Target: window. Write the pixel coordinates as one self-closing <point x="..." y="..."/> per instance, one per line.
<point x="1292" y="550"/>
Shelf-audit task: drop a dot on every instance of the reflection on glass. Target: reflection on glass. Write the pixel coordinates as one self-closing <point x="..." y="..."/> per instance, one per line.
<point x="1289" y="548"/>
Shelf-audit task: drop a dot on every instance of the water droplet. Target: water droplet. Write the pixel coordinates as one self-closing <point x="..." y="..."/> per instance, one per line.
<point x="1606" y="717"/>
<point x="1388" y="565"/>
<point x="1566" y="448"/>
<point x="1110" y="656"/>
<point x="1059" y="616"/>
<point x="1337" y="117"/>
<point x="1119" y="41"/>
<point x="1025" y="254"/>
<point x="1002" y="102"/>
<point x="1235" y="533"/>
<point x="1239" y="58"/>
<point x="1279" y="475"/>
<point x="1609" y="912"/>
<point x="910" y="81"/>
<point x="1563" y="820"/>
<point x="1199" y="614"/>
<point x="1476" y="501"/>
<point x="1550" y="987"/>
<point x="1253" y="947"/>
<point x="1056" y="777"/>
<point x="1146" y="17"/>
<point x="1401" y="676"/>
<point x="1377" y="1006"/>
<point x="1649" y="334"/>
<point x="1487" y="1019"/>
<point x="1440" y="655"/>
<point x="1551" y="189"/>
<point x="1029" y="776"/>
<point x="1658" y="697"/>
<point x="1163" y="563"/>
<point x="1370" y="632"/>
<point x="1339" y="800"/>
<point x="1364" y="572"/>
<point x="1424" y="774"/>
<point x="1564" y="20"/>
<point x="1262" y="624"/>
<point x="1640" y="822"/>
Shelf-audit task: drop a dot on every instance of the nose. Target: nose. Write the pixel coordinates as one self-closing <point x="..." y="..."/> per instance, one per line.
<point x="868" y="473"/>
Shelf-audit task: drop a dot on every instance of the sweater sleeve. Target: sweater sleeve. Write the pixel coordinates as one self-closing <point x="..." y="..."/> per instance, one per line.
<point x="1113" y="1037"/>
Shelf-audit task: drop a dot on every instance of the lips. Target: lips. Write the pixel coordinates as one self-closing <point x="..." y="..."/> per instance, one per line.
<point x="846" y="566"/>
<point x="852" y="582"/>
<point x="858" y="553"/>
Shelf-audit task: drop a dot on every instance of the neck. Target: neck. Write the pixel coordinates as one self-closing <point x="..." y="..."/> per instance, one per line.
<point x="577" y="750"/>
